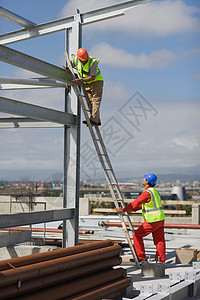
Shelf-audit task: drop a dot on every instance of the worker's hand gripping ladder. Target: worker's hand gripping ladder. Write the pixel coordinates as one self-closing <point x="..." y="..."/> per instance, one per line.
<point x="107" y="168"/>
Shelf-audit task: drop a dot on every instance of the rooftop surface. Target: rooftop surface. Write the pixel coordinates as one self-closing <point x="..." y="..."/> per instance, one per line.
<point x="174" y="240"/>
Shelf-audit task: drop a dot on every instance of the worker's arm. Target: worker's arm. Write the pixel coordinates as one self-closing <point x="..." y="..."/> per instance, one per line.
<point x="136" y="204"/>
<point x="86" y="79"/>
<point x="91" y="77"/>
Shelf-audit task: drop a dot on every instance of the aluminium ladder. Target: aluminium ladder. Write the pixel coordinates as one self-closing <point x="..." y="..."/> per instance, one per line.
<point x="107" y="168"/>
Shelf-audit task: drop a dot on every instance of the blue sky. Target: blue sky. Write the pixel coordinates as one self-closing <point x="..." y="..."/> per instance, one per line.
<point x="149" y="56"/>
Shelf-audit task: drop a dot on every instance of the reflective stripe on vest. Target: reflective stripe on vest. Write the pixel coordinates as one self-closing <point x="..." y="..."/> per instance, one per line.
<point x="84" y="69"/>
<point x="154" y="204"/>
<point x="152" y="211"/>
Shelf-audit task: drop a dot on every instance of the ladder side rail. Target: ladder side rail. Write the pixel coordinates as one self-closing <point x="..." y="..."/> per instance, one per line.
<point x="114" y="178"/>
<point x="110" y="165"/>
<point x="124" y="226"/>
<point x="109" y="181"/>
<point x="123" y="222"/>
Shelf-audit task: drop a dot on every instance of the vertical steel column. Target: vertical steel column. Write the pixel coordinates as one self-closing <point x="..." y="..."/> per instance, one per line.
<point x="72" y="145"/>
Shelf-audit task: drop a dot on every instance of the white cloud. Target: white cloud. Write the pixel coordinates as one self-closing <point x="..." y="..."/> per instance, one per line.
<point x="160" y="18"/>
<point x="118" y="57"/>
<point x="189" y="142"/>
<point x="166" y="141"/>
<point x="169" y="140"/>
<point x="83" y="6"/>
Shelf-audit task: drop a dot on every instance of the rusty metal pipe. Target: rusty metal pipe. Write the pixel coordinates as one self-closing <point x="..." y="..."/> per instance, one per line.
<point x="8" y="277"/>
<point x="117" y="287"/>
<point x="41" y="257"/>
<point x="178" y="226"/>
<point x="58" y="242"/>
<point x="42" y="230"/>
<point x="73" y="287"/>
<point x="36" y="284"/>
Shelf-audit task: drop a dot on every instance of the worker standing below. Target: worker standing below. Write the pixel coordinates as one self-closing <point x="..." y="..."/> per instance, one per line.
<point x="154" y="217"/>
<point x="92" y="83"/>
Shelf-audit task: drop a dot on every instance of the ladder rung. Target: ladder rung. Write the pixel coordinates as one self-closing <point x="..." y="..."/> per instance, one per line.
<point x="86" y="109"/>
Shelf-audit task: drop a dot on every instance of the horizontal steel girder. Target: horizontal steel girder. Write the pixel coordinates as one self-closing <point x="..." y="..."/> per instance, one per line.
<point x="6" y="123"/>
<point x="9" y="15"/>
<point x="28" y="218"/>
<point x="62" y="24"/>
<point x="7" y="87"/>
<point x="33" y="64"/>
<point x="37" y="112"/>
<point x="109" y="11"/>
<point x="9" y="83"/>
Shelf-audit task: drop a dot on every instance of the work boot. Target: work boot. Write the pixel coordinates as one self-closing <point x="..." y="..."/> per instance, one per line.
<point x="142" y="261"/>
<point x="94" y="123"/>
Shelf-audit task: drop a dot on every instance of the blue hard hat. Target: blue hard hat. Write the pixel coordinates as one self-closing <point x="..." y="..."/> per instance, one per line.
<point x="151" y="178"/>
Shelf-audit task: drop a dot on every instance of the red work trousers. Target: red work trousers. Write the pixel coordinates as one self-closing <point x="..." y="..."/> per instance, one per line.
<point x="157" y="230"/>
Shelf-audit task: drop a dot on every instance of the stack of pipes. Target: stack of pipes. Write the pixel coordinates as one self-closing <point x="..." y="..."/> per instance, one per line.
<point x="80" y="272"/>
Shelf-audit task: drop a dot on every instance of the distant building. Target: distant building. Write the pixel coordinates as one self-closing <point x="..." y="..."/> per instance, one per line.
<point x="178" y="193"/>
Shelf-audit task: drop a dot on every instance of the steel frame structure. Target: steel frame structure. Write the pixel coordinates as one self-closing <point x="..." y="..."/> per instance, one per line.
<point x="36" y="116"/>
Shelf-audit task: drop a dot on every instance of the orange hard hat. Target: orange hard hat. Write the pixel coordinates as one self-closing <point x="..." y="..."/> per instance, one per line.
<point x="82" y="54"/>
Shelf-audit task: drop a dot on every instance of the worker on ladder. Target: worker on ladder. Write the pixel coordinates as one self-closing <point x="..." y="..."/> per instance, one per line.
<point x="154" y="217"/>
<point x="92" y="83"/>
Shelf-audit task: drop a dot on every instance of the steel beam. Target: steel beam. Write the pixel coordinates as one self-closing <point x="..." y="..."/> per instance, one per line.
<point x="9" y="15"/>
<point x="109" y="11"/>
<point x="37" y="112"/>
<point x="72" y="146"/>
<point x="36" y="31"/>
<point x="28" y="218"/>
<point x="11" y="87"/>
<point x="9" y="83"/>
<point x="33" y="64"/>
<point x="62" y="24"/>
<point x="26" y="123"/>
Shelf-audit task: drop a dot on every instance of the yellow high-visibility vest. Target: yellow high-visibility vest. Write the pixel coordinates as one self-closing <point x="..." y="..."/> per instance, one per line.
<point x="83" y="70"/>
<point x="152" y="211"/>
